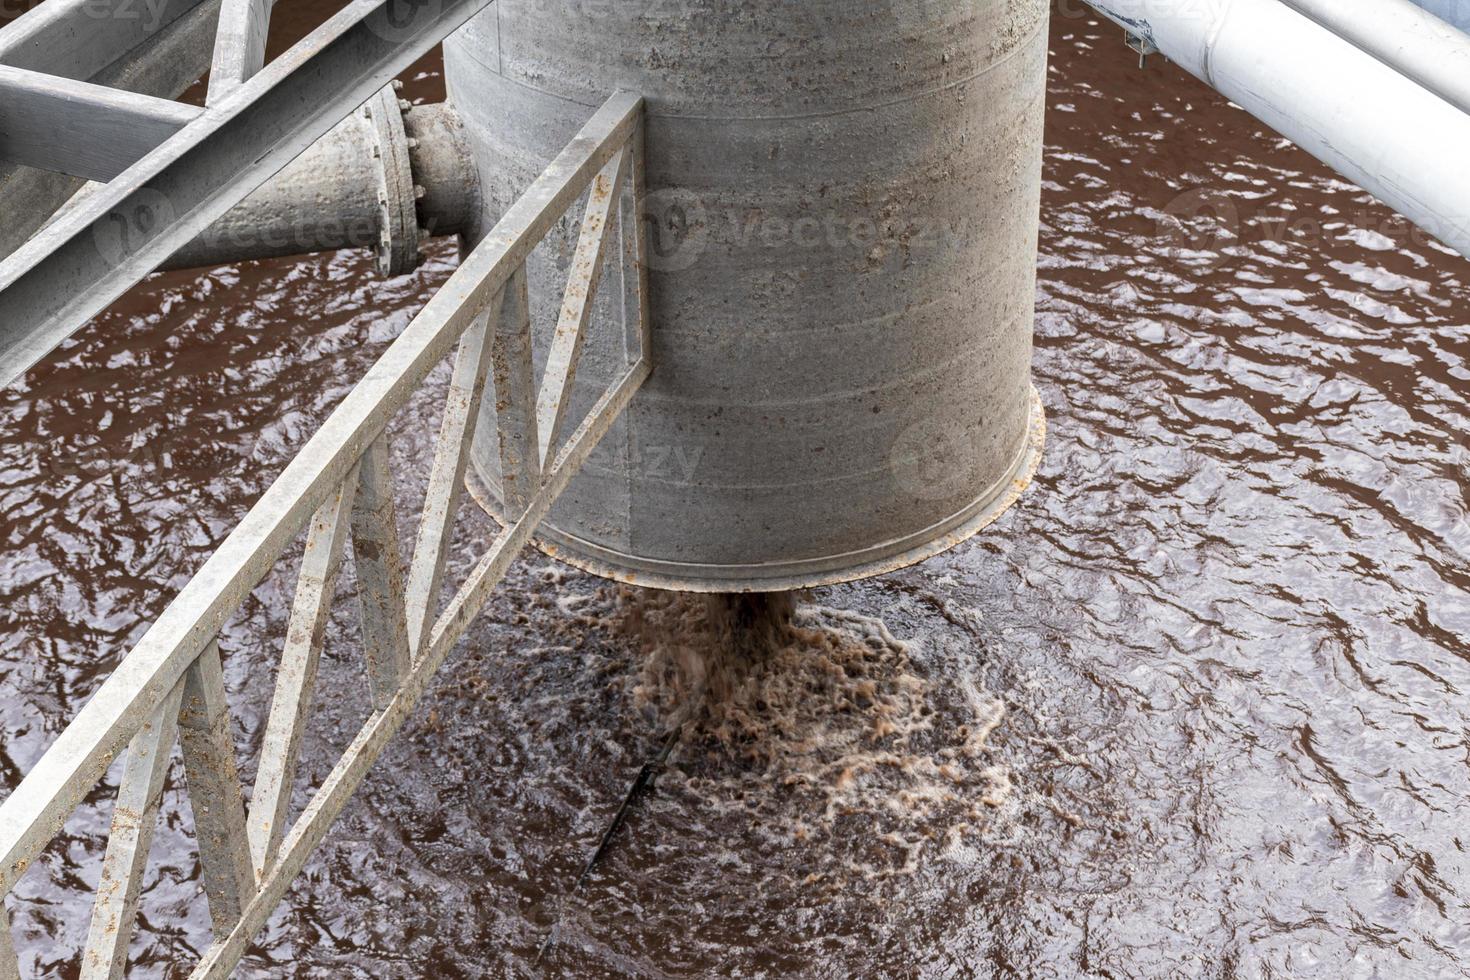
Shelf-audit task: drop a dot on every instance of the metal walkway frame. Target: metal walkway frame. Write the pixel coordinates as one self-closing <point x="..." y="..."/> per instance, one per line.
<point x="171" y="170"/>
<point x="340" y="487"/>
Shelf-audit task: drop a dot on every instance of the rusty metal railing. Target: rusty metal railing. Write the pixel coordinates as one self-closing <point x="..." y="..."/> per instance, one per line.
<point x="339" y="488"/>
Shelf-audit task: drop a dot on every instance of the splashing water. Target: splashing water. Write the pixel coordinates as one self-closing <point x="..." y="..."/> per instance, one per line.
<point x="818" y="719"/>
<point x="1228" y="624"/>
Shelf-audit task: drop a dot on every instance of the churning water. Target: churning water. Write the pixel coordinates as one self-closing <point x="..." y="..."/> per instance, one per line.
<point x="1195" y="707"/>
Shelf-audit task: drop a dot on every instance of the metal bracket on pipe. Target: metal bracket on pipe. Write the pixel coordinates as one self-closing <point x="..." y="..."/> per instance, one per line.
<point x="1141" y="44"/>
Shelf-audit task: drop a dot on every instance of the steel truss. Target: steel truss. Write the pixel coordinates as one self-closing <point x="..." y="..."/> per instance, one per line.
<point x="171" y="686"/>
<point x="171" y="170"/>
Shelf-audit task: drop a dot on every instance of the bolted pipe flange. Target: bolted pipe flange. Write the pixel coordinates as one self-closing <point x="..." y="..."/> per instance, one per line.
<point x="398" y="232"/>
<point x="335" y="196"/>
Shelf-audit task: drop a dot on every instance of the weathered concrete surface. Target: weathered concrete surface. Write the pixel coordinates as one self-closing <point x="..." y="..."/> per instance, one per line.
<point x="844" y="200"/>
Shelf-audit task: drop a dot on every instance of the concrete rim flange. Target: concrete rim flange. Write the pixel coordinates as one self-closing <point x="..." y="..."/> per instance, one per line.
<point x="834" y="570"/>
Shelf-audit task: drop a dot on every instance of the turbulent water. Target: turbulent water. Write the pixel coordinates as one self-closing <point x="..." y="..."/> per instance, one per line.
<point x="1195" y="707"/>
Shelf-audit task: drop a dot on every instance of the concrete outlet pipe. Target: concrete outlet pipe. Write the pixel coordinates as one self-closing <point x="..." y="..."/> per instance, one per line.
<point x="362" y="185"/>
<point x="844" y="202"/>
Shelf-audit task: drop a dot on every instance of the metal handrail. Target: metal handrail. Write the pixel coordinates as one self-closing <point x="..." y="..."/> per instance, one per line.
<point x="339" y="486"/>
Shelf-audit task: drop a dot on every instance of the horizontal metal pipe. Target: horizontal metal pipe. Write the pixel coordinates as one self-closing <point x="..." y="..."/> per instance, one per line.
<point x="1401" y="35"/>
<point x="1373" y="125"/>
<point x="328" y="198"/>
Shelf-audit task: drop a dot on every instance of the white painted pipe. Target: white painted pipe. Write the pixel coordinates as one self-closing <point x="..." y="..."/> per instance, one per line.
<point x="1404" y="37"/>
<point x="1364" y="119"/>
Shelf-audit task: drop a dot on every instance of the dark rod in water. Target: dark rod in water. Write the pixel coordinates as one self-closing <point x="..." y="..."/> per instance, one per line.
<point x="639" y="787"/>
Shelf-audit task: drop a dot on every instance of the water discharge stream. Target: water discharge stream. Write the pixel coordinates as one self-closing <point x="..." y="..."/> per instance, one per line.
<point x="1197" y="706"/>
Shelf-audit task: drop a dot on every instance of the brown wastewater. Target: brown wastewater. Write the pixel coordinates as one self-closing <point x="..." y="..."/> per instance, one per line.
<point x="1198" y="705"/>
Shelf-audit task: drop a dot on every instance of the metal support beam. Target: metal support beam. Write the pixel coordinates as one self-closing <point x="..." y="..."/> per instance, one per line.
<point x="9" y="964"/>
<point x="239" y="46"/>
<point x="576" y="309"/>
<point x="214" y="790"/>
<point x="633" y="230"/>
<point x="350" y="446"/>
<point x="78" y="38"/>
<point x="270" y="804"/>
<point x="446" y="477"/>
<point x="129" y="227"/>
<point x="365" y="749"/>
<point x="379" y="566"/>
<point x="164" y="65"/>
<point x="81" y="129"/>
<point x="134" y="819"/>
<point x="515" y="399"/>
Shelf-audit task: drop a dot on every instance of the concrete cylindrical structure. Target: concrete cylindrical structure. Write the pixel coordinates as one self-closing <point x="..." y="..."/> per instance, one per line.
<point x="843" y="207"/>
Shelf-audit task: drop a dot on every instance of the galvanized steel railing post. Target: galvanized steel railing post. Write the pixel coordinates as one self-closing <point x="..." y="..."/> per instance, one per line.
<point x="296" y="677"/>
<point x="214" y="789"/>
<point x="134" y="819"/>
<point x="515" y="405"/>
